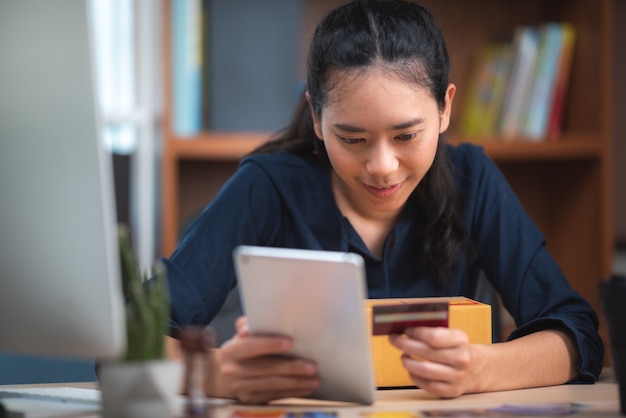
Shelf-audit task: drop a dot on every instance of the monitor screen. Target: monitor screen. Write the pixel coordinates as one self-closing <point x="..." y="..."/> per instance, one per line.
<point x="60" y="286"/>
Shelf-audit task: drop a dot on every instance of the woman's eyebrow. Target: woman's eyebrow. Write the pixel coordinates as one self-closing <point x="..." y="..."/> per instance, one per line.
<point x="355" y="129"/>
<point x="348" y="128"/>
<point x="408" y="124"/>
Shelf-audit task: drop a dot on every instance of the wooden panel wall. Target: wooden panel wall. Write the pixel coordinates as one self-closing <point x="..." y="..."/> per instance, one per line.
<point x="619" y="144"/>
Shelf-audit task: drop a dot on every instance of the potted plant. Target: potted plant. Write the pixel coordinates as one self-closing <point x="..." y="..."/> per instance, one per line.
<point x="142" y="383"/>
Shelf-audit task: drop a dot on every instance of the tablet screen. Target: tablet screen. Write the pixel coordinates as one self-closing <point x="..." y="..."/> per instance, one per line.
<point x="317" y="298"/>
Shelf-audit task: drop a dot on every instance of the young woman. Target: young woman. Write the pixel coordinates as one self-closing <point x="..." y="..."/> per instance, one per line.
<point x="364" y="167"/>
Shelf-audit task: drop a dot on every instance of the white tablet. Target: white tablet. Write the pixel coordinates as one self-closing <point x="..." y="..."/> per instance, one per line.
<point x="317" y="299"/>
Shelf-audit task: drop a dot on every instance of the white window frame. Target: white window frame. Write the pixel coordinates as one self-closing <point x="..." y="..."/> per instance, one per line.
<point x="131" y="98"/>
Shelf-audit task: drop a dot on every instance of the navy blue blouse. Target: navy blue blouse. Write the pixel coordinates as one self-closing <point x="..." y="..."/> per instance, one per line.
<point x="282" y="200"/>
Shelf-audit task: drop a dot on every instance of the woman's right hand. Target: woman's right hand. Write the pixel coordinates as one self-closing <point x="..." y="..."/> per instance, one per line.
<point x="254" y="370"/>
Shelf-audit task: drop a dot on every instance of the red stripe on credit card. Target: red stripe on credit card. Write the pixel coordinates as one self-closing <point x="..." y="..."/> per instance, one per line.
<point x="396" y="318"/>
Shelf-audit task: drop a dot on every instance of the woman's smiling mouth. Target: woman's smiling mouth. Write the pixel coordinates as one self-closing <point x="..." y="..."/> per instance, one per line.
<point x="383" y="192"/>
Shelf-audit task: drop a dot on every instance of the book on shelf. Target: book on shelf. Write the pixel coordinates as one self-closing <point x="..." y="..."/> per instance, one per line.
<point x="187" y="67"/>
<point x="555" y="119"/>
<point x="544" y="82"/>
<point x="525" y="47"/>
<point x="205" y="64"/>
<point x="481" y="106"/>
<point x="517" y="90"/>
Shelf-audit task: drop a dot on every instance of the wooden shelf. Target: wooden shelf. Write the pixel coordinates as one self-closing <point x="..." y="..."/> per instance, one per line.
<point x="579" y="147"/>
<point x="217" y="146"/>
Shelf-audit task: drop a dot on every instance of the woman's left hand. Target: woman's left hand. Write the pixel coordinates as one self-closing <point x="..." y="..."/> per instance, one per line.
<point x="437" y="359"/>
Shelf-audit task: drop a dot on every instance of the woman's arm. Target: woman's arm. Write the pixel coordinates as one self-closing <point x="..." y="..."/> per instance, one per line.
<point x="455" y="367"/>
<point x="512" y="253"/>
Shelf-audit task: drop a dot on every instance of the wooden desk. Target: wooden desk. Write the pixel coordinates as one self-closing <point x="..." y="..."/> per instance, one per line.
<point x="600" y="400"/>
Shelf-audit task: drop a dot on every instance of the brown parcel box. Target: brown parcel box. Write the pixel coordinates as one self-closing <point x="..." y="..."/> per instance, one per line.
<point x="469" y="315"/>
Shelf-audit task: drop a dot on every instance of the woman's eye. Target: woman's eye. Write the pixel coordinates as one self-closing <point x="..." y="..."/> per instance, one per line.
<point x="405" y="137"/>
<point x="351" y="140"/>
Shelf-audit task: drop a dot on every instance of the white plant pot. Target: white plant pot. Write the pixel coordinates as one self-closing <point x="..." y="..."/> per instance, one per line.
<point x="141" y="389"/>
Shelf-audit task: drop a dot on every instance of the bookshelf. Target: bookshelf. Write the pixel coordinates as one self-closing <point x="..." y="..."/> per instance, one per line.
<point x="566" y="184"/>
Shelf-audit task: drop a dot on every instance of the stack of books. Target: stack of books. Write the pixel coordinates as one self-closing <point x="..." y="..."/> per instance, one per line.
<point x="517" y="89"/>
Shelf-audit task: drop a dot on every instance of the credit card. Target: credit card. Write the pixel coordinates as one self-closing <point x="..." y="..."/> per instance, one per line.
<point x="395" y="318"/>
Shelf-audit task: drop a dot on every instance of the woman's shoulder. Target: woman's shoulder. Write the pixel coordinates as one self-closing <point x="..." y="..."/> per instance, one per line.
<point x="286" y="170"/>
<point x="279" y="161"/>
<point x="465" y="152"/>
<point x="303" y="184"/>
<point x="470" y="160"/>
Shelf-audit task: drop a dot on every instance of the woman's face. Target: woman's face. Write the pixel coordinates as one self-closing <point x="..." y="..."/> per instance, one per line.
<point x="381" y="135"/>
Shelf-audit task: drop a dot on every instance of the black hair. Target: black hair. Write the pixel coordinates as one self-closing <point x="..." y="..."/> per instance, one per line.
<point x="400" y="37"/>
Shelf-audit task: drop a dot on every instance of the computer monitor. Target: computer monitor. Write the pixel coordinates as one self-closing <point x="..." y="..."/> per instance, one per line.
<point x="60" y="286"/>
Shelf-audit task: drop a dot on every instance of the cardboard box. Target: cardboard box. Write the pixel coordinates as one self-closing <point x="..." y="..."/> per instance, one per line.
<point x="466" y="314"/>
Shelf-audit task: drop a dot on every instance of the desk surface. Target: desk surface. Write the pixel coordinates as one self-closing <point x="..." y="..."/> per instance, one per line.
<point x="598" y="401"/>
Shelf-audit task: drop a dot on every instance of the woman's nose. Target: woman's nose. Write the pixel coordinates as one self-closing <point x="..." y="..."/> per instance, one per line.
<point x="382" y="160"/>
